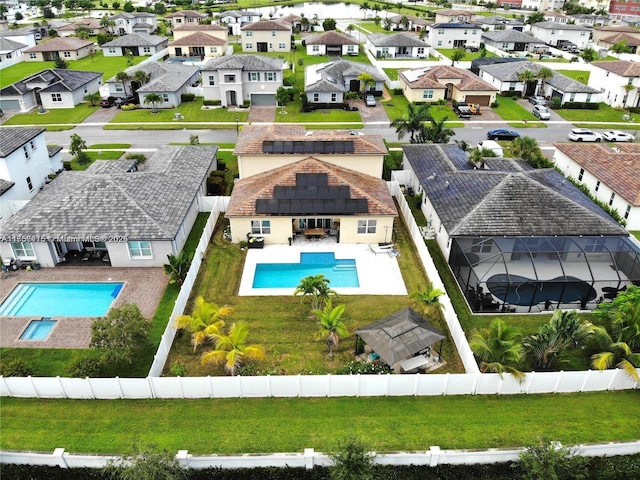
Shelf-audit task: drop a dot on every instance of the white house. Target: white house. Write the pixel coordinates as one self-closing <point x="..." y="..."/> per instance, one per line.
<point x="135" y="22"/>
<point x="612" y="174"/>
<point x="184" y="17"/>
<point x="619" y="82"/>
<point x="328" y="82"/>
<point x="139" y="44"/>
<point x="554" y="34"/>
<point x="511" y="41"/>
<point x="266" y="36"/>
<point x="26" y="35"/>
<point x="454" y="35"/>
<point x="236" y="79"/>
<point x="497" y="23"/>
<point x="10" y="49"/>
<point x="396" y="45"/>
<point x="135" y="215"/>
<point x="589" y="19"/>
<point x="25" y="165"/>
<point x="331" y="43"/>
<point x="234" y="19"/>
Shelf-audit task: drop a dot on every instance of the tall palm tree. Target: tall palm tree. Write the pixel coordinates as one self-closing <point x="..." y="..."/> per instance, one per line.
<point x="544" y="74"/>
<point x="231" y="349"/>
<point x="365" y="80"/>
<point x="205" y="320"/>
<point x="364" y="7"/>
<point x="123" y="77"/>
<point x="428" y="298"/>
<point x="526" y="148"/>
<point x="527" y="77"/>
<point x="140" y="77"/>
<point x="498" y="349"/>
<point x="416" y="116"/>
<point x="437" y="132"/>
<point x="331" y="325"/>
<point x="154" y="100"/>
<point x="350" y="28"/>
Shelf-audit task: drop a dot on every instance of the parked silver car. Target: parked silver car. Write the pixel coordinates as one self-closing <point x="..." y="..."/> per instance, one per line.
<point x="370" y="101"/>
<point x="541" y="112"/>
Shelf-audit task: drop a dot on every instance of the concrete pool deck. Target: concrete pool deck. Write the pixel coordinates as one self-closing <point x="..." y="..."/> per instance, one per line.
<point x="378" y="273"/>
<point x="142" y="286"/>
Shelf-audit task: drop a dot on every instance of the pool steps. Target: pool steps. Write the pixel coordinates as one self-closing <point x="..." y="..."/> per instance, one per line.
<point x="24" y="292"/>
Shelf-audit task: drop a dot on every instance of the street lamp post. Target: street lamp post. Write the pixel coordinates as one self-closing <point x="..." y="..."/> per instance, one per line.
<point x="237" y="127"/>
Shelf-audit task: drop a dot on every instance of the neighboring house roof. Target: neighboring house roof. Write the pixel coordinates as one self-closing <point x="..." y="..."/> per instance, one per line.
<point x="53" y="149"/>
<point x="244" y="62"/>
<point x="238" y="14"/>
<point x="330" y="77"/>
<point x="5" y="186"/>
<point x="291" y="18"/>
<point x="150" y="204"/>
<point x="624" y="68"/>
<point x="253" y="137"/>
<point x="85" y="22"/>
<point x="449" y="12"/>
<point x="60" y="44"/>
<point x="258" y="194"/>
<point x="133" y="15"/>
<point x="510" y="200"/>
<point x="630" y="40"/>
<point x="187" y="14"/>
<point x="15" y="137"/>
<point x="559" y="26"/>
<point x="551" y="13"/>
<point x="454" y="25"/>
<point x="7" y="45"/>
<point x="198" y="38"/>
<point x="510" y="36"/>
<point x="397" y="19"/>
<point x="136" y="40"/>
<point x="617" y="28"/>
<point x="509" y="72"/>
<point x="164" y="77"/>
<point x="619" y="169"/>
<point x="498" y="20"/>
<point x="197" y="27"/>
<point x="57" y="80"/>
<point x="440" y="75"/>
<point x="267" y="25"/>
<point x="331" y="38"/>
<point x="18" y="32"/>
<point x="396" y="40"/>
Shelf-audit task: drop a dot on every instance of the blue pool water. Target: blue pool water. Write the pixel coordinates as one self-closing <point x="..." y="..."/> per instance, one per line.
<point x="60" y="299"/>
<point x="38" y="330"/>
<point x="524" y="291"/>
<point x="342" y="273"/>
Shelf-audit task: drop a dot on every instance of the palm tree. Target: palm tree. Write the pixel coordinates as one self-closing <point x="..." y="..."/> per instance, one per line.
<point x="107" y="24"/>
<point x="178" y="267"/>
<point x="569" y="326"/>
<point x="322" y="295"/>
<point x="331" y="325"/>
<point x="542" y="348"/>
<point x="399" y="6"/>
<point x="93" y="98"/>
<point x="123" y="77"/>
<point x="231" y="349"/>
<point x="544" y="74"/>
<point x="205" y="320"/>
<point x="140" y="77"/>
<point x="404" y="21"/>
<point x="479" y="154"/>
<point x="428" y="298"/>
<point x="350" y="28"/>
<point x="365" y="6"/>
<point x="412" y="125"/>
<point x="365" y="80"/>
<point x="498" y="349"/>
<point x="627" y="89"/>
<point x="349" y="97"/>
<point x="526" y="148"/>
<point x="154" y="100"/>
<point x="316" y="287"/>
<point x="437" y="132"/>
<point x="527" y="77"/>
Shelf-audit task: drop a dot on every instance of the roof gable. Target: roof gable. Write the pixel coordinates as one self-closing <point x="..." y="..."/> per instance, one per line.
<point x="331" y="38"/>
<point x="198" y="38"/>
<point x="244" y="63"/>
<point x="59" y="44"/>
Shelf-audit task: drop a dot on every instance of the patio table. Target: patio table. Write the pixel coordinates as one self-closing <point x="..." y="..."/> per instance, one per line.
<point x="414" y="363"/>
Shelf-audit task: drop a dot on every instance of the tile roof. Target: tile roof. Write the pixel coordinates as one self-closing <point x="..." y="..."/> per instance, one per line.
<point x="165" y="77"/>
<point x="508" y="201"/>
<point x="252" y="137"/>
<point x="619" y="170"/>
<point x="7" y="45"/>
<point x="621" y="37"/>
<point x="617" y="28"/>
<point x="248" y="190"/>
<point x="244" y="62"/>
<point x="58" y="80"/>
<point x="559" y="26"/>
<point x="132" y="15"/>
<point x="510" y="35"/>
<point x="466" y="25"/>
<point x="397" y="19"/>
<point x="238" y="14"/>
<point x="497" y="20"/>
<point x="430" y="78"/>
<point x="395" y="40"/>
<point x="291" y="18"/>
<point x="451" y="12"/>
<point x="187" y="14"/>
<point x="136" y="40"/>
<point x="85" y="22"/>
<point x="60" y="44"/>
<point x="150" y="204"/>
<point x="13" y="138"/>
<point x="197" y="27"/>
<point x="624" y="68"/>
<point x="267" y="25"/>
<point x="331" y="38"/>
<point x="198" y="38"/>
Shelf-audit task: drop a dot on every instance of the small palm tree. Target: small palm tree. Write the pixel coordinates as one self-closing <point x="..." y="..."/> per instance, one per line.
<point x="349" y="97"/>
<point x="544" y="74"/>
<point x="350" y="28"/>
<point x="416" y="116"/>
<point x="140" y="77"/>
<point x="123" y="77"/>
<point x="527" y="77"/>
<point x="498" y="349"/>
<point x="231" y="349"/>
<point x="437" y="132"/>
<point x="527" y="148"/>
<point x="331" y="325"/>
<point x="154" y="100"/>
<point x="178" y="267"/>
<point x="205" y="321"/>
<point x="365" y="80"/>
<point x="428" y="298"/>
<point x="317" y="288"/>
<point x="93" y="98"/>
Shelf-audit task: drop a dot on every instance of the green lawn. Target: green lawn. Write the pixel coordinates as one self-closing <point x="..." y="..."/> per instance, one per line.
<point x="109" y="66"/>
<point x="604" y="114"/>
<point x="398" y="107"/>
<point x="370" y="27"/>
<point x="579" y="75"/>
<point x="509" y="109"/>
<point x="636" y="233"/>
<point x="97" y="146"/>
<point x="468" y="55"/>
<point x="296" y="115"/>
<point x="59" y="116"/>
<point x="110" y="155"/>
<point x="452" y="422"/>
<point x="392" y="73"/>
<point x="191" y="111"/>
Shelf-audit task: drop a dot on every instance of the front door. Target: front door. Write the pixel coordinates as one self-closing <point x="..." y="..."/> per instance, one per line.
<point x="262" y="47"/>
<point x="232" y="100"/>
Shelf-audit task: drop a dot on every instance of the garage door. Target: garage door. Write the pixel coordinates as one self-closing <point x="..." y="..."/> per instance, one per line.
<point x="10" y="105"/>
<point x="263" y="99"/>
<point x="482" y="100"/>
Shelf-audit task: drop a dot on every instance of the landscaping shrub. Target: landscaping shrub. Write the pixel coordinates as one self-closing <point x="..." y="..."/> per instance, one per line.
<point x="326" y="106"/>
<point x="634" y="109"/>
<point x="222" y="165"/>
<point x="15" y="368"/>
<point x="372" y="368"/>
<point x="581" y="106"/>
<point x="128" y="107"/>
<point x="495" y="104"/>
<point x="397" y="91"/>
<point x="511" y="93"/>
<point x="66" y="165"/>
<point x="288" y="81"/>
<point x="85" y="367"/>
<point x="211" y="103"/>
<point x="555" y="103"/>
<point x="136" y="156"/>
<point x="188" y="97"/>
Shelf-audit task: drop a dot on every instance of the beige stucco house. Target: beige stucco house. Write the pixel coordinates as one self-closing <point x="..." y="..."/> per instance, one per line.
<point x="217" y="31"/>
<point x="266" y="36"/>
<point x="66" y="48"/>
<point x="198" y="44"/>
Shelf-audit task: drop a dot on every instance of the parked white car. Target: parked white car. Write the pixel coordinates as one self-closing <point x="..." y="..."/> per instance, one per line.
<point x="584" y="135"/>
<point x="617" y="136"/>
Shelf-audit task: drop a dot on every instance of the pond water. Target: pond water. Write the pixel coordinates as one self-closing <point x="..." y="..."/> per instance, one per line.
<point x="319" y="10"/>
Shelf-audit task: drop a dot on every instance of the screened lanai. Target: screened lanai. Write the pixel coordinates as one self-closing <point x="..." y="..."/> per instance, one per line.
<point x="531" y="274"/>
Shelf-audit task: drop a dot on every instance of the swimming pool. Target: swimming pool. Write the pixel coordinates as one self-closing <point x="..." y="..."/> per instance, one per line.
<point x="38" y="330"/>
<point x="60" y="299"/>
<point x="523" y="291"/>
<point x="341" y="272"/>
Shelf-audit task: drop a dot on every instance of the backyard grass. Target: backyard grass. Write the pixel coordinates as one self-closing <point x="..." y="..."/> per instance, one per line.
<point x="191" y="111"/>
<point x="370" y="27"/>
<point x="54" y="116"/>
<point x="579" y="75"/>
<point x="386" y="423"/>
<point x="608" y="126"/>
<point x="468" y="55"/>
<point x="296" y="115"/>
<point x="604" y="114"/>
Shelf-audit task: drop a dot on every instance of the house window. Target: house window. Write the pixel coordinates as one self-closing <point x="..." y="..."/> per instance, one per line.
<point x="553" y="32"/>
<point x="165" y="97"/>
<point x="505" y="46"/>
<point x="572" y="98"/>
<point x="315" y="48"/>
<point x="627" y="212"/>
<point x="427" y="94"/>
<point x="23" y="250"/>
<point x="212" y="80"/>
<point x="248" y="46"/>
<point x="140" y="250"/>
<point x="481" y="247"/>
<point x="25" y="149"/>
<point x="254" y="76"/>
<point x="316" y="97"/>
<point x="282" y="46"/>
<point x="352" y="48"/>
<point x="273" y="33"/>
<point x="588" y="97"/>
<point x="474" y="32"/>
<point x="441" y="31"/>
<point x="146" y="50"/>
<point x="32" y="144"/>
<point x="597" y="186"/>
<point x="56" y="97"/>
<point x="271" y="76"/>
<point x="581" y="174"/>
<point x="29" y="184"/>
<point x="260" y="227"/>
<point x="33" y="55"/>
<point x="112" y="49"/>
<point x="119" y="87"/>
<point x="249" y="33"/>
<point x="613" y="196"/>
<point x="334" y="97"/>
<point x="420" y="50"/>
<point x="465" y="32"/>
<point x="214" y="50"/>
<point x="367" y="226"/>
<point x="385" y="51"/>
<point x="582" y="34"/>
<point x="229" y="78"/>
<point x="439" y="43"/>
<point x="66" y="54"/>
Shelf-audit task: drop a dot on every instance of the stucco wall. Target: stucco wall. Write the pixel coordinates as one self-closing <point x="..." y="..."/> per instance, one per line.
<point x="349" y="230"/>
<point x="249" y="165"/>
<point x="272" y="42"/>
<point x="416" y="94"/>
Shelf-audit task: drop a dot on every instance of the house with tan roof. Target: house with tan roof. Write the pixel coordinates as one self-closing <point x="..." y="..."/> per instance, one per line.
<point x="612" y="174"/>
<point x="184" y="17"/>
<point x="331" y="43"/>
<point x="453" y="15"/>
<point x="294" y="20"/>
<point x="409" y="22"/>
<point x="311" y="195"/>
<point x="261" y="148"/>
<point x="66" y="48"/>
<point x="609" y="30"/>
<point x="630" y="41"/>
<point x="198" y="44"/>
<point x="266" y="36"/>
<point x="446" y="83"/>
<point x="619" y="82"/>
<point x="213" y="30"/>
<point x="91" y="24"/>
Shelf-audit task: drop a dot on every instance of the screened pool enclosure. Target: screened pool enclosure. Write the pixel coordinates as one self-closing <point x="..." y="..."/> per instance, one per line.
<point x="531" y="274"/>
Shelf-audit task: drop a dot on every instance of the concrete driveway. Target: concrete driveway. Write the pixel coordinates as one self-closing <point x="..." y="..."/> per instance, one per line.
<point x="101" y="115"/>
<point x="527" y="105"/>
<point x="375" y="114"/>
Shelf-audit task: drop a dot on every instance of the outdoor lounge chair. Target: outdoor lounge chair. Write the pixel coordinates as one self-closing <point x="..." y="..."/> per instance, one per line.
<point x="377" y="251"/>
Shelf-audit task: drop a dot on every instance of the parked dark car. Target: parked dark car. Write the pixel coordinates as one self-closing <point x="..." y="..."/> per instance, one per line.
<point x="125" y="101"/>
<point x="462" y="109"/>
<point x="502" y="134"/>
<point x="107" y="102"/>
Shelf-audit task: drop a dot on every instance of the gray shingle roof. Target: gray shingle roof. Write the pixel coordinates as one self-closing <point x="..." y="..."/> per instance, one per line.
<point x="150" y="204"/>
<point x="395" y="40"/>
<point x="345" y="68"/>
<point x="508" y="201"/>
<point x="133" y="15"/>
<point x="497" y="20"/>
<point x="165" y="77"/>
<point x="510" y="36"/>
<point x="17" y="32"/>
<point x="559" y="26"/>
<point x="7" y="45"/>
<point x="136" y="40"/>
<point x="454" y="25"/>
<point x="53" y="149"/>
<point x="13" y="138"/>
<point x="331" y="38"/>
<point x="251" y="63"/>
<point x="263" y="25"/>
<point x="5" y="185"/>
<point x="238" y="14"/>
<point x="330" y="77"/>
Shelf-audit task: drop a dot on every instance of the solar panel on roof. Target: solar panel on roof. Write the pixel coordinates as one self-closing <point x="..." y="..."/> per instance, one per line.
<point x="345" y="192"/>
<point x="352" y="206"/>
<point x="339" y="146"/>
<point x="349" y="147"/>
<point x="363" y="205"/>
<point x="272" y="206"/>
<point x="261" y="205"/>
<point x="267" y="147"/>
<point x="288" y="146"/>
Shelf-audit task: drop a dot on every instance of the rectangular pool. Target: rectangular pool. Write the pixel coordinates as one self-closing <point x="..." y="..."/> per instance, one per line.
<point x="60" y="299"/>
<point x="341" y="272"/>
